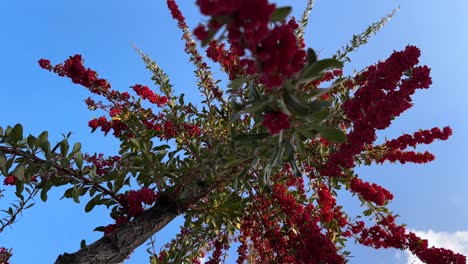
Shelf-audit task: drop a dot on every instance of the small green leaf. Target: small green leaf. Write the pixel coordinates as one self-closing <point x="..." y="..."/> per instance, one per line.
<point x="280" y="14"/>
<point x="67" y="193"/>
<point x="19" y="189"/>
<point x="44" y="195"/>
<point x="92" y="203"/>
<point x="211" y="34"/>
<point x="367" y="212"/>
<point x="161" y="147"/>
<point x="18" y="172"/>
<point x="315" y="70"/>
<point x="249" y="137"/>
<point x="76" y="194"/>
<point x="99" y="229"/>
<point x="238" y="82"/>
<point x="181" y="99"/>
<point x="43" y="142"/>
<point x="76" y="147"/>
<point x="17" y="133"/>
<point x="321" y="115"/>
<point x="298" y="143"/>
<point x="56" y="146"/>
<point x="134" y="143"/>
<point x="308" y="133"/>
<point x="3" y="163"/>
<point x="256" y="107"/>
<point x="254" y="93"/>
<point x="119" y="182"/>
<point x="83" y="244"/>
<point x="295" y="104"/>
<point x="31" y="141"/>
<point x="333" y="134"/>
<point x="78" y="159"/>
<point x="43" y="138"/>
<point x="64" y="147"/>
<point x="311" y="56"/>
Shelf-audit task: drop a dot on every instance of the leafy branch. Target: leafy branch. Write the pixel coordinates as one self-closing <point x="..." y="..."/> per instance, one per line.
<point x="305" y="19"/>
<point x="13" y="213"/>
<point x="358" y="40"/>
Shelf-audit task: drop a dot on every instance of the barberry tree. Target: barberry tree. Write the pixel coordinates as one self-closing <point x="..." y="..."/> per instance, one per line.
<point x="258" y="165"/>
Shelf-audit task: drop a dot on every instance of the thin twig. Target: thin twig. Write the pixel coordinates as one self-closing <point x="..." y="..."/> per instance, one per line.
<point x="305" y="19"/>
<point x="18" y="210"/>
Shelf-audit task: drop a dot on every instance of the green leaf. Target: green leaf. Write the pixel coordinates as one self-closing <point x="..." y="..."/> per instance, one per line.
<point x="31" y="141"/>
<point x="161" y="147"/>
<point x="76" y="194"/>
<point x="44" y="195"/>
<point x="249" y="137"/>
<point x="211" y="34"/>
<point x="298" y="107"/>
<point x="92" y="203"/>
<point x="134" y="142"/>
<point x="18" y="172"/>
<point x="308" y="133"/>
<point x="43" y="142"/>
<point x="333" y="134"/>
<point x="181" y="99"/>
<point x="99" y="229"/>
<point x="298" y="143"/>
<point x="67" y="193"/>
<point x="78" y="159"/>
<point x="368" y="212"/>
<point x="315" y="70"/>
<point x="256" y="107"/>
<point x="311" y="56"/>
<point x="238" y="82"/>
<point x="236" y="106"/>
<point x="56" y="146"/>
<point x="3" y="164"/>
<point x="119" y="182"/>
<point x="64" y="147"/>
<point x="254" y="93"/>
<point x="43" y="138"/>
<point x="83" y="244"/>
<point x="17" y="133"/>
<point x="76" y="147"/>
<point x="280" y="14"/>
<point x="19" y="189"/>
<point x="321" y="115"/>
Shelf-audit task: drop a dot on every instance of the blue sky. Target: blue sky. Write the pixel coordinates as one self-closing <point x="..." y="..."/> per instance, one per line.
<point x="428" y="197"/>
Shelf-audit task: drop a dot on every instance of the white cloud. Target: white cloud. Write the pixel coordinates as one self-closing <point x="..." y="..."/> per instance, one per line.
<point x="202" y="260"/>
<point x="456" y="241"/>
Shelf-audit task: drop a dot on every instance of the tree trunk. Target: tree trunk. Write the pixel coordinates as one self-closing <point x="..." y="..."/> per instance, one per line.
<point x="115" y="247"/>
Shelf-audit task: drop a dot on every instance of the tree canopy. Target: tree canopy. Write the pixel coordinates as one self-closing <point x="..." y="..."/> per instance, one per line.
<point x="258" y="165"/>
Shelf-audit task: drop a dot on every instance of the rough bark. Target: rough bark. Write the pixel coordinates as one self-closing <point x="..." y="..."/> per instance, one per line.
<point x="115" y="247"/>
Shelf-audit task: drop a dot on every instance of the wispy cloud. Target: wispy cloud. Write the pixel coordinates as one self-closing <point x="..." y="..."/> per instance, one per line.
<point x="202" y="260"/>
<point x="456" y="241"/>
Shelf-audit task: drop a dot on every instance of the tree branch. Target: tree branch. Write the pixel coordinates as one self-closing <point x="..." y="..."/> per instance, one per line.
<point x="116" y="246"/>
<point x="60" y="170"/>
